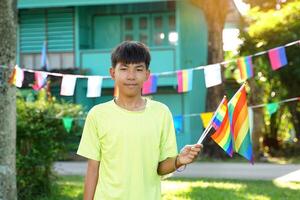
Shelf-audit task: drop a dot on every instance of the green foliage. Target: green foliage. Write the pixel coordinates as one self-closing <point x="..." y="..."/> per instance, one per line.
<point x="40" y="141"/>
<point x="266" y="30"/>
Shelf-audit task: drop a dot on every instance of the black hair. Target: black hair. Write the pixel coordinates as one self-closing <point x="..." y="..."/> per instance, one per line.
<point x="129" y="52"/>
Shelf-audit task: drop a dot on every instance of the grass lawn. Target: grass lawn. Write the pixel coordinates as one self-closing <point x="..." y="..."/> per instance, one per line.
<point x="70" y="187"/>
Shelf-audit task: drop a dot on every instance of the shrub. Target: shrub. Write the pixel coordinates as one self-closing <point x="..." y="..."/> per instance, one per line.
<point x="40" y="141"/>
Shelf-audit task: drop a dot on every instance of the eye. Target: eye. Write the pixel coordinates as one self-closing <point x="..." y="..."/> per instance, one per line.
<point x="140" y="69"/>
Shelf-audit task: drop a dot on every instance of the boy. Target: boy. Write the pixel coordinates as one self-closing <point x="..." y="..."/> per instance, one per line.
<point x="130" y="141"/>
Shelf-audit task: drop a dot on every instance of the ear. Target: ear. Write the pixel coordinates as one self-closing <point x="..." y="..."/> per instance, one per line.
<point x="112" y="72"/>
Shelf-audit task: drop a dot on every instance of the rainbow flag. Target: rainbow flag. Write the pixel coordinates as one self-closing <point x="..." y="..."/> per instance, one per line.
<point x="277" y="57"/>
<point x="221" y="124"/>
<point x="40" y="80"/>
<point x="246" y="67"/>
<point x="17" y="76"/>
<point x="239" y="120"/>
<point x="185" y="80"/>
<point x="150" y="86"/>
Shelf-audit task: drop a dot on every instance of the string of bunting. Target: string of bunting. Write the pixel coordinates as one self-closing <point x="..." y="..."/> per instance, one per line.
<point x="212" y="73"/>
<point x="178" y="119"/>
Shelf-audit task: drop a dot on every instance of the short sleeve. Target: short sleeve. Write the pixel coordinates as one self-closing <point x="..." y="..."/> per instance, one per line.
<point x="89" y="146"/>
<point x="168" y="146"/>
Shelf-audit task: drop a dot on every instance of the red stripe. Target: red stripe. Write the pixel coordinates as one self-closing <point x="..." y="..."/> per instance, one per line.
<point x="238" y="107"/>
<point x="220" y="133"/>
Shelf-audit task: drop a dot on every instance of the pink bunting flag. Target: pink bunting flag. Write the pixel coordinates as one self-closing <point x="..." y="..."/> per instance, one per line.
<point x="40" y="80"/>
<point x="150" y="86"/>
<point x="277" y="57"/>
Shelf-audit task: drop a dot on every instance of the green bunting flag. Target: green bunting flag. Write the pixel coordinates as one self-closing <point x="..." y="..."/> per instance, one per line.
<point x="272" y="108"/>
<point x="68" y="123"/>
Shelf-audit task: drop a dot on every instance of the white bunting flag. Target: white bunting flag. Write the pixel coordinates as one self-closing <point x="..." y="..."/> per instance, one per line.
<point x="68" y="85"/>
<point x="19" y="77"/>
<point x="94" y="86"/>
<point x="212" y="75"/>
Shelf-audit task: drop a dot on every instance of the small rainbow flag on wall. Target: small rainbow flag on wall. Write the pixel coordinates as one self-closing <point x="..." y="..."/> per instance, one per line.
<point x="221" y="124"/>
<point x="150" y="86"/>
<point x="240" y="128"/>
<point x="277" y="57"/>
<point x="185" y="80"/>
<point x="40" y="80"/>
<point x="245" y="66"/>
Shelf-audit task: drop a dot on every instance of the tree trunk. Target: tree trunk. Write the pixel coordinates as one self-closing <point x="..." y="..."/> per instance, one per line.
<point x="215" y="12"/>
<point x="7" y="101"/>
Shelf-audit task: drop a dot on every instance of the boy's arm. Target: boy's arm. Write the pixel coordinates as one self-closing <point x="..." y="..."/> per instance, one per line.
<point x="187" y="155"/>
<point x="91" y="179"/>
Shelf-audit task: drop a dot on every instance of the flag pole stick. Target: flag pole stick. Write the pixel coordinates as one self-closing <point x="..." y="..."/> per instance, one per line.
<point x="202" y="137"/>
<point x="206" y="131"/>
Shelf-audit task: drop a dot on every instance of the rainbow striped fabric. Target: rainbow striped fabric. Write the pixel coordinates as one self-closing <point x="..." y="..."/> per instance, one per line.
<point x="245" y="66"/>
<point x="17" y="76"/>
<point x="221" y="124"/>
<point x="40" y="80"/>
<point x="277" y="57"/>
<point x="185" y="80"/>
<point x="240" y="128"/>
<point x="150" y="86"/>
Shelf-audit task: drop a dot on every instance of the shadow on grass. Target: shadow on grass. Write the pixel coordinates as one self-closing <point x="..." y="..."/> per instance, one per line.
<point x="228" y="189"/>
<point x="67" y="188"/>
<point x="71" y="187"/>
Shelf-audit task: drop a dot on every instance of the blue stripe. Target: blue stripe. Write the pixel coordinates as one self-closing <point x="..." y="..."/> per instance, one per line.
<point x="282" y="56"/>
<point x="154" y="84"/>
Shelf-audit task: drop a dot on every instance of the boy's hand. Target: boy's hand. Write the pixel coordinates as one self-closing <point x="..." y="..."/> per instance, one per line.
<point x="189" y="154"/>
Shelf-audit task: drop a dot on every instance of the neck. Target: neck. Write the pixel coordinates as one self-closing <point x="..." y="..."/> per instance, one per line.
<point x="131" y="103"/>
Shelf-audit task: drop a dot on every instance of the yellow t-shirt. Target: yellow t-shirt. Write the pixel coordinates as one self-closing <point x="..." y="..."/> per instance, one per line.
<point x="129" y="146"/>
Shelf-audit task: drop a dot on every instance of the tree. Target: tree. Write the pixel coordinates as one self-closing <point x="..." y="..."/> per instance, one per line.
<point x="266" y="4"/>
<point x="8" y="21"/>
<point x="283" y="83"/>
<point x="215" y="12"/>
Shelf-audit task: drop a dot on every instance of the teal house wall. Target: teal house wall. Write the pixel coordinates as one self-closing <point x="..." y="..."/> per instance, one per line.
<point x="82" y="33"/>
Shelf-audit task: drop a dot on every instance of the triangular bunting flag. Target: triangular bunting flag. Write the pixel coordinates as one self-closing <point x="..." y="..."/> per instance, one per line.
<point x="67" y="121"/>
<point x="272" y="108"/>
<point x="206" y="118"/>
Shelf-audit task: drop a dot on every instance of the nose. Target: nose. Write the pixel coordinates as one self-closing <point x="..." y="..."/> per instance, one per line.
<point x="131" y="75"/>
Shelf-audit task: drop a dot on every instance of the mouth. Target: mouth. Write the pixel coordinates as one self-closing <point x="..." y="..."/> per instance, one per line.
<point x="130" y="84"/>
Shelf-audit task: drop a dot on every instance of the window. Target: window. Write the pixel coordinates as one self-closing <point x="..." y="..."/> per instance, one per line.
<point x="56" y="60"/>
<point x="158" y="29"/>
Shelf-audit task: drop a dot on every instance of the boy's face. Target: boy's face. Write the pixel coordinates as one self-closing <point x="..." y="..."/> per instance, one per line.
<point x="130" y="78"/>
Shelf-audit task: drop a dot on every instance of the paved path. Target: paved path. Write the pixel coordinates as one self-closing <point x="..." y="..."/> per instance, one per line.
<point x="258" y="171"/>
